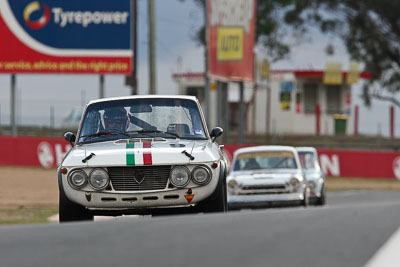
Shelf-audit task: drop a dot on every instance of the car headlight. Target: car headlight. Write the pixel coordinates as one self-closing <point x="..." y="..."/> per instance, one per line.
<point x="77" y="178"/>
<point x="311" y="185"/>
<point x="179" y="176"/>
<point x="98" y="179"/>
<point x="232" y="183"/>
<point x="295" y="182"/>
<point x="201" y="175"/>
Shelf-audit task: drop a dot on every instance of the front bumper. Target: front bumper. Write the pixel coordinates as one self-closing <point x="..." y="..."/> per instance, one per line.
<point x="263" y="201"/>
<point x="110" y="201"/>
<point x="124" y="200"/>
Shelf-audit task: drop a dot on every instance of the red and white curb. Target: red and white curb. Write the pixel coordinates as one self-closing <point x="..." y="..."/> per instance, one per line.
<point x="388" y="254"/>
<point x="55" y="218"/>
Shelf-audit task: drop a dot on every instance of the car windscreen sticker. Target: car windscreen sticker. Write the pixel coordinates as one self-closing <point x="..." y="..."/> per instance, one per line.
<point x="198" y="132"/>
<point x="189" y="195"/>
<point x="266" y="154"/>
<point x="139" y="153"/>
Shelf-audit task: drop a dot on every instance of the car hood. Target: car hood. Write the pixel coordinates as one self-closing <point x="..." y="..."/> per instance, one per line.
<point x="260" y="177"/>
<point x="142" y="152"/>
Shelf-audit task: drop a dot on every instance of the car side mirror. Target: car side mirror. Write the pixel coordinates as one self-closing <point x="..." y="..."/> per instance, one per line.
<point x="215" y="133"/>
<point x="70" y="137"/>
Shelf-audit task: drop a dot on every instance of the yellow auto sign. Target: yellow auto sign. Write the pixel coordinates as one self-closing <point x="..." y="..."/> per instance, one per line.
<point x="353" y="76"/>
<point x="333" y="73"/>
<point x="230" y="43"/>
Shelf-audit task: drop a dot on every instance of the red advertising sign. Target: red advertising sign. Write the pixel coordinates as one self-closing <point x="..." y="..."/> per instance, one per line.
<point x="32" y="151"/>
<point x="57" y="36"/>
<point x="49" y="153"/>
<point x="230" y="33"/>
<point x="350" y="163"/>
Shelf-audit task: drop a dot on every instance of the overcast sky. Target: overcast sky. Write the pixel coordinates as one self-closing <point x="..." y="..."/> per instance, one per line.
<point x="175" y="52"/>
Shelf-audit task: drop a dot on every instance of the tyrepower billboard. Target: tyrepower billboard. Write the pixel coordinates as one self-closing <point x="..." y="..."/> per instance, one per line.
<point x="230" y="39"/>
<point x="58" y="36"/>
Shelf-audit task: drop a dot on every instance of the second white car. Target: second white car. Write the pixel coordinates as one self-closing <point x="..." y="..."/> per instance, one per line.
<point x="264" y="176"/>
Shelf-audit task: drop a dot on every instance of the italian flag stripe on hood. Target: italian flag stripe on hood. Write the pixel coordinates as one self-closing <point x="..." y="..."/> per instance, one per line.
<point x="139" y="154"/>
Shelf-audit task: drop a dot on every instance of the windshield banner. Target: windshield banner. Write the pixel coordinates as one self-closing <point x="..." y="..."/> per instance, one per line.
<point x="230" y="39"/>
<point x="58" y="36"/>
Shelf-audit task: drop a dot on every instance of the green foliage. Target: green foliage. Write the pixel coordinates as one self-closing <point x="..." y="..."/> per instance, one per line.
<point x="370" y="30"/>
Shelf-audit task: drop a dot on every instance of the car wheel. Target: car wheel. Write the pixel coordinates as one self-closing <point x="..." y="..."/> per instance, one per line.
<point x="322" y="199"/>
<point x="306" y="200"/>
<point x="69" y="211"/>
<point x="217" y="202"/>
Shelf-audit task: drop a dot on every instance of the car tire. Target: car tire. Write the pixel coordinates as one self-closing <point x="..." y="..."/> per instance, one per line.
<point x="305" y="201"/>
<point x="69" y="211"/>
<point x="322" y="199"/>
<point x="217" y="202"/>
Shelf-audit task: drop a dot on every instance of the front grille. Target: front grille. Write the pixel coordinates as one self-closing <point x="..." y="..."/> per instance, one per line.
<point x="264" y="187"/>
<point x="154" y="177"/>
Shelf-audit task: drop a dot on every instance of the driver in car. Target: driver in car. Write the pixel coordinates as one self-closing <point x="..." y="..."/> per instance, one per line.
<point x="116" y="119"/>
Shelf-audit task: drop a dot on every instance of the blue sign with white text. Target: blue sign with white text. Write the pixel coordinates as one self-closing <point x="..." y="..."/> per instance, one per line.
<point x="75" y="24"/>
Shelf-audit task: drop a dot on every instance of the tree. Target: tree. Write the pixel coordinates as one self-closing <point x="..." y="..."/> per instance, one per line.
<point x="370" y="30"/>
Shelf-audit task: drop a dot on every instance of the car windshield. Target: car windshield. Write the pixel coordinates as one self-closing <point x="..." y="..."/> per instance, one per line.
<point x="142" y="118"/>
<point x="307" y="160"/>
<point x="265" y="160"/>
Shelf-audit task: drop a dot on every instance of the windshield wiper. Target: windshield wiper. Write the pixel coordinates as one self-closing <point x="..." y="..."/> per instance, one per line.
<point x="145" y="131"/>
<point x="105" y="134"/>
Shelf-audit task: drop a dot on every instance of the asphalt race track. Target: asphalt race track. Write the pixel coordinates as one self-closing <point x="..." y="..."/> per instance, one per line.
<point x="346" y="232"/>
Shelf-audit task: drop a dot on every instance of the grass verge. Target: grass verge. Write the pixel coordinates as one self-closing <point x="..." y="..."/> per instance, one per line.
<point x="334" y="184"/>
<point x="25" y="216"/>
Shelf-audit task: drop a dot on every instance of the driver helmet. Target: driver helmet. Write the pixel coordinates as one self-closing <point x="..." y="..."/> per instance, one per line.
<point x="116" y="118"/>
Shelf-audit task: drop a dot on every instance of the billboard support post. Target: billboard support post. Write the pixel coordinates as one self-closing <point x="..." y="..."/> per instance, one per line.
<point x="317" y="119"/>
<point x="268" y="115"/>
<point x="52" y="120"/>
<point x="206" y="80"/>
<point x="101" y="87"/>
<point x="134" y="46"/>
<point x="241" y="115"/>
<point x="12" y="111"/>
<point x="391" y="113"/>
<point x="219" y="103"/>
<point x="356" y="119"/>
<point x="152" y="49"/>
<point x="226" y="116"/>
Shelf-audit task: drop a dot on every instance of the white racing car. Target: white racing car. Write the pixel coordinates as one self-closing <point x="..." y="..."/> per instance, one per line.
<point x="265" y="176"/>
<point x="142" y="155"/>
<point x="314" y="175"/>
